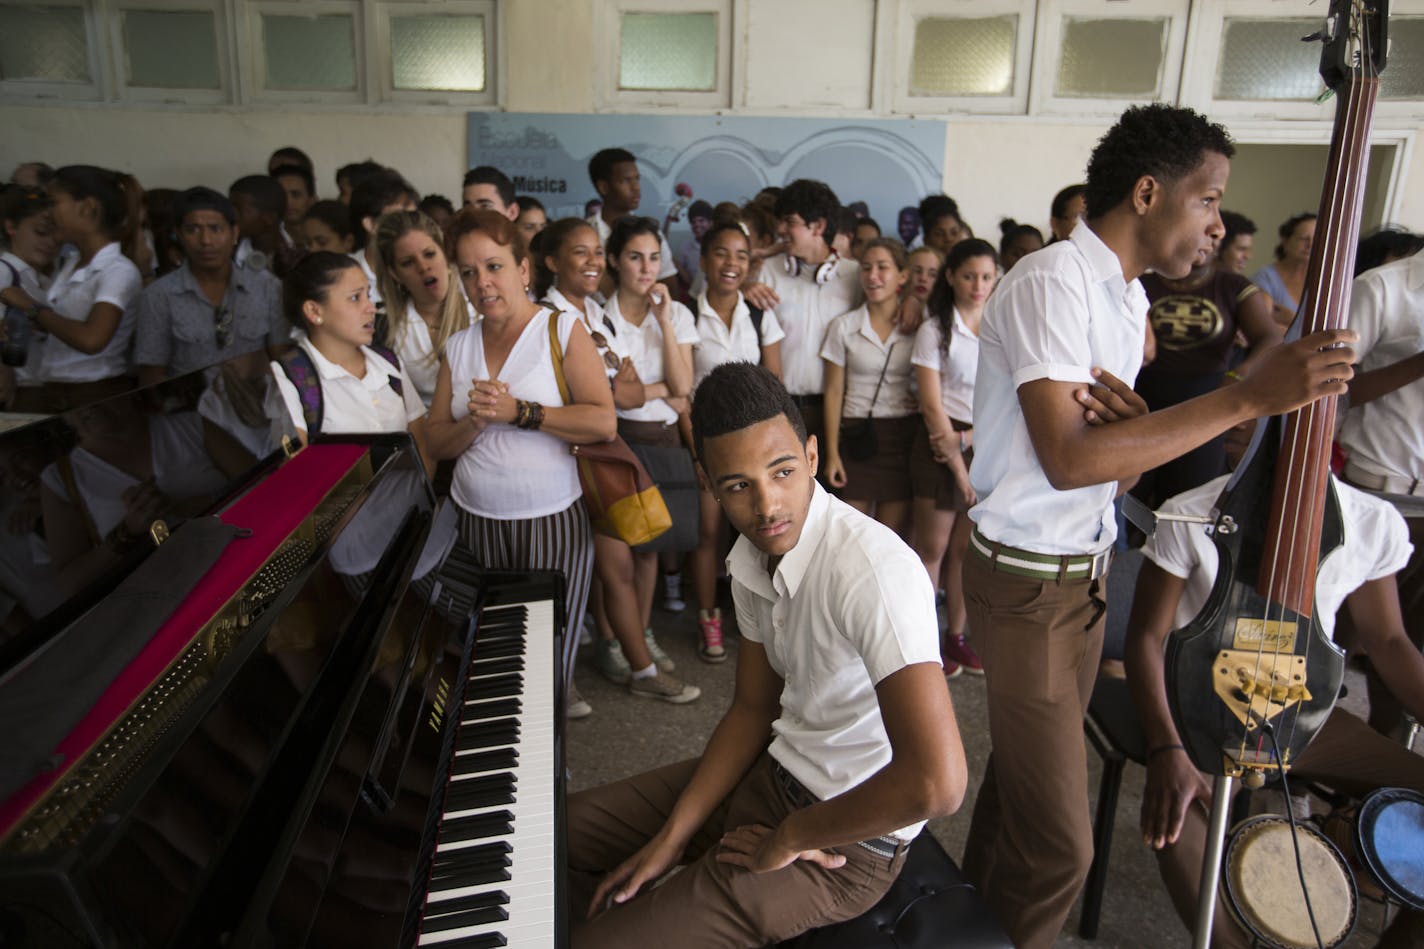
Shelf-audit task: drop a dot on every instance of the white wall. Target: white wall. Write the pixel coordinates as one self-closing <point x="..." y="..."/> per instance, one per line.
<point x="788" y="57"/>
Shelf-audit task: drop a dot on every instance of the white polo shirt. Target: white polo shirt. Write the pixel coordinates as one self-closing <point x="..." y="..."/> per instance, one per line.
<point x="848" y="606"/>
<point x="1059" y="312"/>
<point x="957" y="365"/>
<point x="667" y="266"/>
<point x="595" y="320"/>
<point x="349" y="405"/>
<point x="375" y="285"/>
<point x="1376" y="545"/>
<point x="109" y="277"/>
<point x="805" y="312"/>
<point x="718" y="343"/>
<point x="1386" y="437"/>
<point x="412" y="343"/>
<point x="852" y="343"/>
<point x="644" y="345"/>
<point x="14" y="272"/>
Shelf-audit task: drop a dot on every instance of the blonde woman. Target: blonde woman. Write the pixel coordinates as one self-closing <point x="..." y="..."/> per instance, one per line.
<point x="425" y="305"/>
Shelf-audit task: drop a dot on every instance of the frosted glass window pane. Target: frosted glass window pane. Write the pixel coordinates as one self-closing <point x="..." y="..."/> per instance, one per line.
<point x="309" y="52"/>
<point x="46" y="43"/>
<point x="968" y="56"/>
<point x="438" y="52"/>
<point x="171" y="49"/>
<point x="668" y="51"/>
<point x="1403" y="76"/>
<point x="1265" y="59"/>
<point x="1112" y="58"/>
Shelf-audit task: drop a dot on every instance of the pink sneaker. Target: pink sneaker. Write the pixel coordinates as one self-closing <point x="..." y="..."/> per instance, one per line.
<point x="957" y="648"/>
<point x="709" y="625"/>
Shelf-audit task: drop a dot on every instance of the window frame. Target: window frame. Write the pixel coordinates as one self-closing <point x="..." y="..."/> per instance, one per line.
<point x="911" y="12"/>
<point x="98" y="87"/>
<point x="1048" y="53"/>
<point x="383" y="56"/>
<point x="179" y="96"/>
<point x="253" y="65"/>
<point x="608" y="28"/>
<point x="1204" y="49"/>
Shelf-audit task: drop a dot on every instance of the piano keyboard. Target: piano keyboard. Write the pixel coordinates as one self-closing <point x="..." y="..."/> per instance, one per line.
<point x="492" y="879"/>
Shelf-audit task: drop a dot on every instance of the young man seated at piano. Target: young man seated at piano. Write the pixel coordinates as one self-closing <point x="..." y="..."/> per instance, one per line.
<point x="1346" y="755"/>
<point x="840" y="741"/>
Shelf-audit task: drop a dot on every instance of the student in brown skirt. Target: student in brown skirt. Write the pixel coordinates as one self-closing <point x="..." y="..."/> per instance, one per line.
<point x="946" y="358"/>
<point x="870" y="410"/>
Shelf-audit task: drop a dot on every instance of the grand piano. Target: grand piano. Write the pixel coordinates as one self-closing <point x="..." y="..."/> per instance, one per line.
<point x="251" y="693"/>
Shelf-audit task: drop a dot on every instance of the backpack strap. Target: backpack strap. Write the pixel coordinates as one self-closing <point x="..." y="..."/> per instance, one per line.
<point x="756" y="313"/>
<point x="302" y="373"/>
<point x="389" y="355"/>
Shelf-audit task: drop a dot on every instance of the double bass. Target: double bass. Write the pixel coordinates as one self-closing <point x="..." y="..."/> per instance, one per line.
<point x="1253" y="677"/>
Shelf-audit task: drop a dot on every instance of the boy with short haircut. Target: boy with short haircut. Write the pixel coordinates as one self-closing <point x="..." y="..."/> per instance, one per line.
<point x="349" y="176"/>
<point x="486" y="187"/>
<point x="614" y="174"/>
<point x="300" y="188"/>
<point x="378" y="193"/>
<point x="261" y="207"/>
<point x="208" y="310"/>
<point x="839" y="743"/>
<point x="808" y="285"/>
<point x="1060" y="344"/>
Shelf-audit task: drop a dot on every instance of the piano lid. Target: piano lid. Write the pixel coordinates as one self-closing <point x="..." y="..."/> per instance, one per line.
<point x="79" y="491"/>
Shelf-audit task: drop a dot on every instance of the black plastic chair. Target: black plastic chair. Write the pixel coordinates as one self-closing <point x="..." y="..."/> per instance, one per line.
<point x="929" y="905"/>
<point x="1114" y="732"/>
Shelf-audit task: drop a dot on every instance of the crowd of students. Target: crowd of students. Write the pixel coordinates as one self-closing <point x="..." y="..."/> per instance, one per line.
<point x="498" y="338"/>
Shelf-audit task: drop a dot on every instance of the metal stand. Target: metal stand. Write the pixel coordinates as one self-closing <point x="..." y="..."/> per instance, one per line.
<point x="1211" y="860"/>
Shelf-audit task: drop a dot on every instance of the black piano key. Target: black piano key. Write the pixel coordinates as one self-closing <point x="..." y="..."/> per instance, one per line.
<point x="500" y="647"/>
<point x="468" y="799"/>
<point x="505" y="759"/>
<point x="511" y="683"/>
<point x="483" y="877"/>
<point x="482" y="941"/>
<point x="461" y="903"/>
<point x="496" y="664"/>
<point x="490" y="708"/>
<point x="469" y="917"/>
<point x="475" y="826"/>
<point x="450" y="863"/>
<point x="499" y="731"/>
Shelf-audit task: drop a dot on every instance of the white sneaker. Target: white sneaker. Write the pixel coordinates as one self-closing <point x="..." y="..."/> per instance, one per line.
<point x="672" y="593"/>
<point x="578" y="706"/>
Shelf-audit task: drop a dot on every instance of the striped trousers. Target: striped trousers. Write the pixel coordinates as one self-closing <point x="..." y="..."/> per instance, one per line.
<point x="562" y="541"/>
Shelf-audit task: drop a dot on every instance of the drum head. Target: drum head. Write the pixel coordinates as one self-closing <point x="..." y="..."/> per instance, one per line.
<point x="1263" y="889"/>
<point x="1390" y="838"/>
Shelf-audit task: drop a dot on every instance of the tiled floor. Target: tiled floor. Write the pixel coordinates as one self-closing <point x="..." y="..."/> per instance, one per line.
<point x="627" y="735"/>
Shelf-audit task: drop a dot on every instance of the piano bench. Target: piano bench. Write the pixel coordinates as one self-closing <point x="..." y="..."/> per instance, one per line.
<point x="929" y="905"/>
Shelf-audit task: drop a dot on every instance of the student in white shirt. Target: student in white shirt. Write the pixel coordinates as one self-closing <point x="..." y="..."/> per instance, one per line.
<point x="357" y="389"/>
<point x="377" y="193"/>
<point x="867" y="371"/>
<point x="88" y="310"/>
<point x="498" y="412"/>
<point x="1382" y="433"/>
<point x="656" y="334"/>
<point x="425" y="305"/>
<point x="30" y="250"/>
<point x="946" y="359"/>
<point x="726" y="332"/>
<point x="488" y="188"/>
<point x="809" y="285"/>
<point x="614" y="174"/>
<point x="840" y="740"/>
<point x="1059" y="346"/>
<point x="1345" y="755"/>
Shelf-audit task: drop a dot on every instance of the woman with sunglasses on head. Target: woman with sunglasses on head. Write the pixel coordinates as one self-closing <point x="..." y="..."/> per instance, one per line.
<point x="88" y="309"/>
<point x="657" y="334"/>
<point x="425" y="304"/>
<point x="946" y="358"/>
<point x="31" y="247"/>
<point x="498" y="410"/>
<point x="870" y="410"/>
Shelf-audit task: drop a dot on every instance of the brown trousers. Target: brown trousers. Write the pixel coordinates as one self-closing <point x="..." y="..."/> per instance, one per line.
<point x="1031" y="841"/>
<point x="706" y="903"/>
<point x="1345" y="755"/>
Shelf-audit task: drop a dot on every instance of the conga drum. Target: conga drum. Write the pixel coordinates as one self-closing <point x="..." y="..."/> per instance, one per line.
<point x="1263" y="888"/>
<point x="1389" y="838"/>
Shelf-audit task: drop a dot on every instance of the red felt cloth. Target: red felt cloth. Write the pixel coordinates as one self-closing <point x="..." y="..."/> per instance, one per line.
<point x="271" y="510"/>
